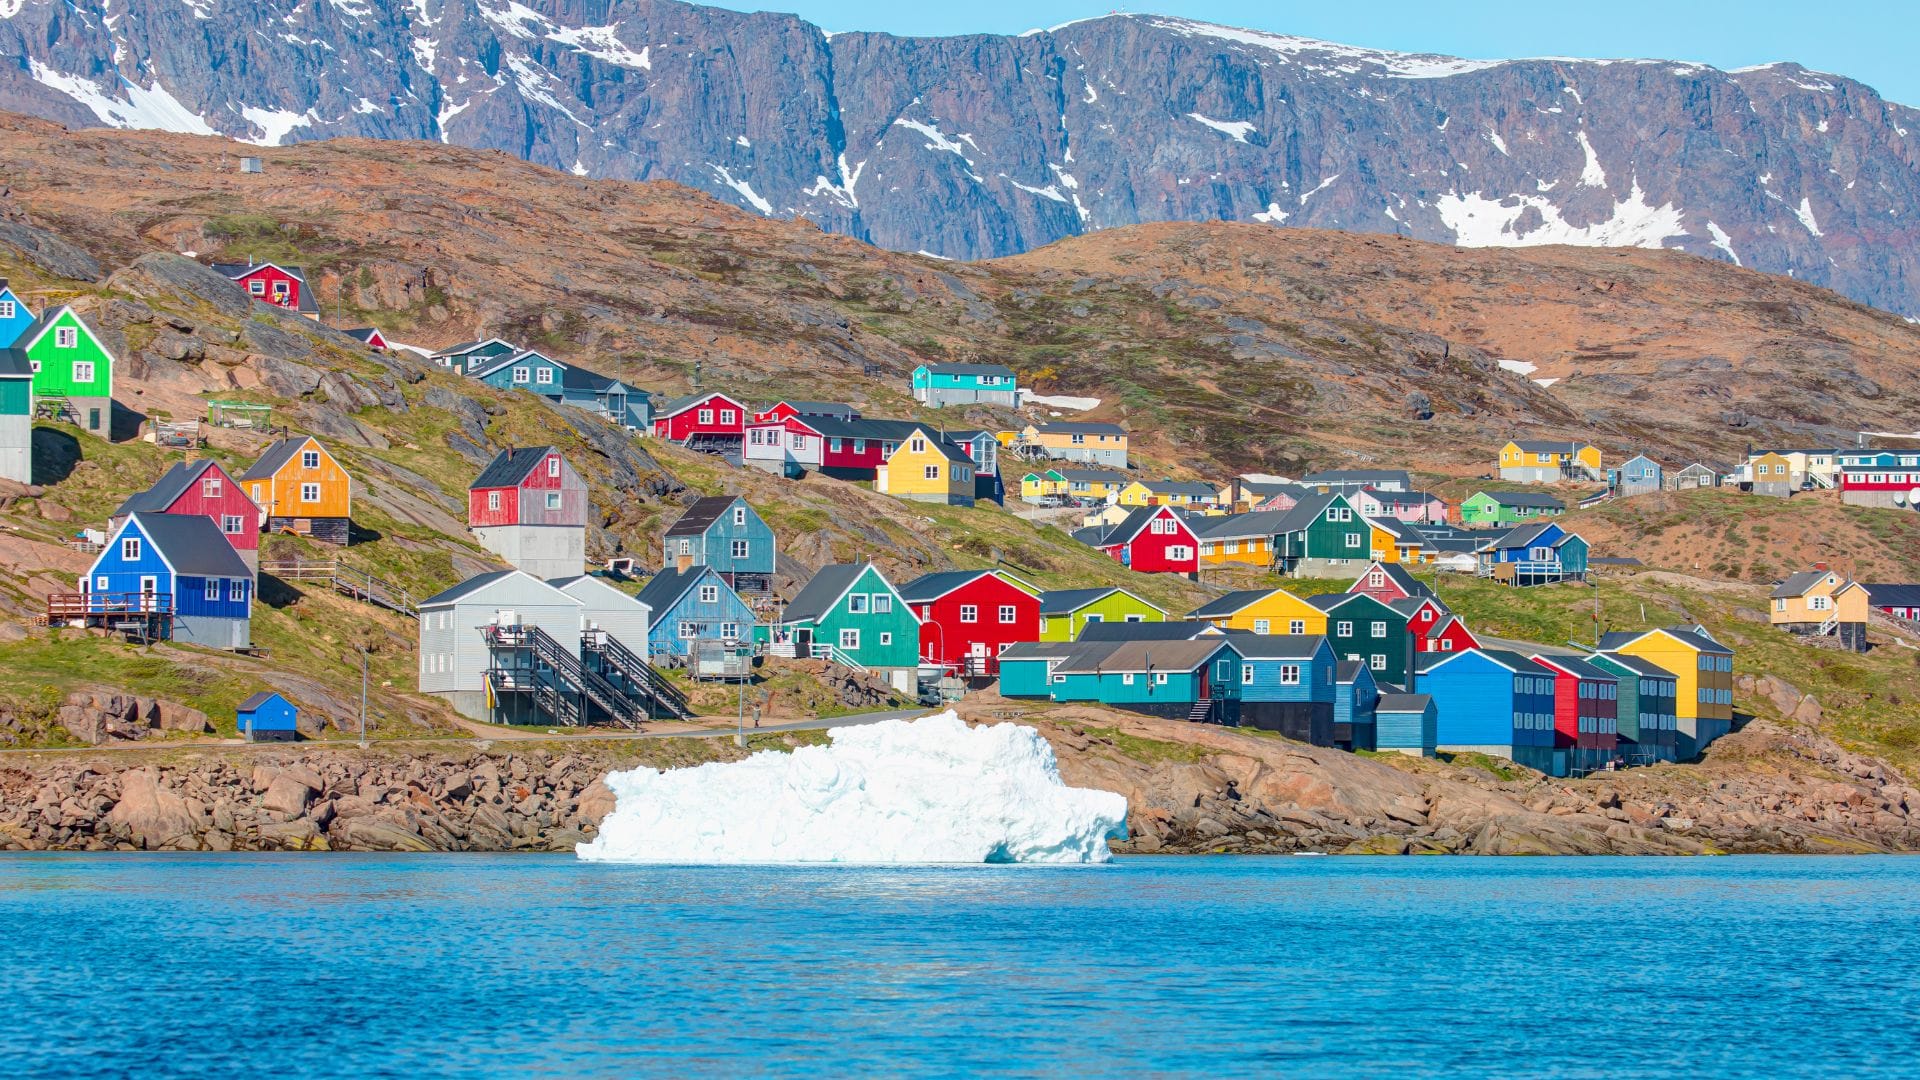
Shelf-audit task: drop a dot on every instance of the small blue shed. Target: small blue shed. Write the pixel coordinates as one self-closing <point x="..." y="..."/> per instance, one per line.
<point x="267" y="717"/>
<point x="1405" y="724"/>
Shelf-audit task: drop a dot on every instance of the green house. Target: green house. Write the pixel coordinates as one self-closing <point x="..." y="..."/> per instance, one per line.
<point x="1323" y="534"/>
<point x="1508" y="507"/>
<point x="852" y="614"/>
<point x="939" y="385"/>
<point x="1365" y="629"/>
<point x="1064" y="613"/>
<point x="72" y="370"/>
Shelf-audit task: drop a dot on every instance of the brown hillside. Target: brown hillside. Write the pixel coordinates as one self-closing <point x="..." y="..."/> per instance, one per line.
<point x="1225" y="345"/>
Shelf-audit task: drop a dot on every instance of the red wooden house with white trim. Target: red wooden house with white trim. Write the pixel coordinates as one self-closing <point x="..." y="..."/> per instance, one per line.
<point x="530" y="508"/>
<point x="1151" y="539"/>
<point x="1586" y="712"/>
<point x="710" y="422"/>
<point x="204" y="489"/>
<point x="371" y="337"/>
<point x="270" y="283"/>
<point x="822" y="410"/>
<point x="969" y="617"/>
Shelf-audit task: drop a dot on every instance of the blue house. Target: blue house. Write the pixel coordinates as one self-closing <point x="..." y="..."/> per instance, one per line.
<point x="612" y="400"/>
<point x="1174" y="679"/>
<point x="691" y="605"/>
<point x="1537" y="554"/>
<point x="1407" y="724"/>
<point x="1026" y="667"/>
<point x="463" y="358"/>
<point x="1491" y="701"/>
<point x="525" y="370"/>
<point x="14" y="316"/>
<point x="1356" y="692"/>
<point x="1285" y="683"/>
<point x="267" y="717"/>
<point x="171" y="576"/>
<point x="723" y="532"/>
<point x="1639" y="475"/>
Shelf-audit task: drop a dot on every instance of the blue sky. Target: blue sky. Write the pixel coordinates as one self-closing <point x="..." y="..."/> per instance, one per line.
<point x="1869" y="40"/>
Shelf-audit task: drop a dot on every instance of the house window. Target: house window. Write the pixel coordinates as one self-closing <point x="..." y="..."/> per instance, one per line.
<point x="849" y="639"/>
<point x="310" y="459"/>
<point x="1426" y="615"/>
<point x="705" y="416"/>
<point x="1179" y="553"/>
<point x="709" y="594"/>
<point x="521" y="375"/>
<point x="493" y="500"/>
<point x="1007" y="613"/>
<point x="688" y="630"/>
<point x="797" y="441"/>
<point x="233" y="524"/>
<point x="1379" y="629"/>
<point x="1379" y="662"/>
<point x="553" y="468"/>
<point x="1820" y="603"/>
<point x="1159" y="678"/>
<point x="686" y="546"/>
<point x="1246" y="674"/>
<point x="6" y="309"/>
<point x="544" y="376"/>
<point x="1261" y="626"/>
<point x="740" y="548"/>
<point x="130" y="549"/>
<point x="882" y="603"/>
<point x="886" y="637"/>
<point x="236" y="590"/>
<point x="1446" y="644"/>
<point x="1289" y="674"/>
<point x="833" y="445"/>
<point x="1344" y="629"/>
<point x="856" y="603"/>
<point x="213" y="588"/>
<point x="553" y="500"/>
<point x="919" y="445"/>
<point x="309" y="493"/>
<point x="256" y="287"/>
<point x="726" y="416"/>
<point x="932" y="472"/>
<point x="969" y="613"/>
<point x="210" y="487"/>
<point x="739" y="516"/>
<point x="1127" y="679"/>
<point x="859" y="446"/>
<point x="1353" y="540"/>
<point x="83" y="371"/>
<point x="1376" y="579"/>
<point x="1297" y="627"/>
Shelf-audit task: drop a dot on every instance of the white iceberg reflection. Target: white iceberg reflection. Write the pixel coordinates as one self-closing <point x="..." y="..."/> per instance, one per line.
<point x="930" y="790"/>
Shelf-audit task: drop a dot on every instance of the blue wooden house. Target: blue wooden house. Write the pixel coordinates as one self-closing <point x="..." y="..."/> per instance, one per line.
<point x="171" y="576"/>
<point x="1407" y="724"/>
<point x="691" y="605"/>
<point x="1537" y="554"/>
<point x="1492" y="701"/>
<point x="612" y="400"/>
<point x="725" y="533"/>
<point x="524" y="370"/>
<point x="267" y="717"/>
<point x="14" y="316"/>
<point x="1174" y="679"/>
<point x="1638" y="475"/>
<point x="1356" y="692"/>
<point x="463" y="358"/>
<point x="1285" y="683"/>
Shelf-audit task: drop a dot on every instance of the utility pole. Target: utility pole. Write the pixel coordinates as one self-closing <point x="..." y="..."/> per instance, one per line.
<point x="740" y="728"/>
<point x="363" y="697"/>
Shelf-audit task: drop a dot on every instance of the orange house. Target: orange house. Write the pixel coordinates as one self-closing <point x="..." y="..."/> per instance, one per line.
<point x="301" y="489"/>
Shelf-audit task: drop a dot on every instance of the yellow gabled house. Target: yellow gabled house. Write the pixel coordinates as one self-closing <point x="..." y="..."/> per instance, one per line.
<point x="1702" y="669"/>
<point x="926" y="467"/>
<point x="1537" y="461"/>
<point x="1262" y="611"/>
<point x="1823" y="602"/>
<point x="1396" y="542"/>
<point x="1168" y="493"/>
<point x="1039" y="485"/>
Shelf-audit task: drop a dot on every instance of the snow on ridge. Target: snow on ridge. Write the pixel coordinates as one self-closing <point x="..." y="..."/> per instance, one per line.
<point x="1272" y="215"/>
<point x="603" y="43"/>
<point x="150" y="108"/>
<point x="741" y="187"/>
<point x="1805" y="213"/>
<point x="1051" y="191"/>
<point x="1722" y="241"/>
<point x="531" y="80"/>
<point x="1392" y="64"/>
<point x="1499" y="143"/>
<point x="1479" y="221"/>
<point x="10" y="8"/>
<point x="514" y="19"/>
<point x="274" y="124"/>
<point x="1518" y="367"/>
<point x="1237" y="129"/>
<point x="1591" y="175"/>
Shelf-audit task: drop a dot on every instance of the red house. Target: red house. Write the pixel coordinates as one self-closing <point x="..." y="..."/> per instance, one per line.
<point x="1586" y="712"/>
<point x="969" y="617"/>
<point x="1151" y="539"/>
<point x="530" y="508"/>
<point x="202" y="488"/>
<point x="1388" y="582"/>
<point x="855" y="449"/>
<point x="281" y="286"/>
<point x="710" y="422"/>
<point x="371" y="337"/>
<point x="1449" y="633"/>
<point x="823" y="410"/>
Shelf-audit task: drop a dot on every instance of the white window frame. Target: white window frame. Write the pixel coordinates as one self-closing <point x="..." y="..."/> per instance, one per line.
<point x="709" y="594"/>
<point x="726" y="416"/>
<point x="522" y="376"/>
<point x="553" y="500"/>
<point x="1009" y="614"/>
<point x="850" y="638"/>
<point x="857" y="603"/>
<point x="1296" y="627"/>
<point x="83" y="371"/>
<point x="1289" y="674"/>
<point x="969" y="613"/>
<point x="309" y="459"/>
<point x="886" y="637"/>
<point x="1379" y="628"/>
<point x="1343" y="629"/>
<point x="544" y="376"/>
<point x="741" y="549"/>
<point x="704" y="416"/>
<point x="6" y="309"/>
<point x="213" y="589"/>
<point x="493" y="500"/>
<point x="1379" y="662"/>
<point x="1180" y="552"/>
<point x="309" y="493"/>
<point x="1262" y="626"/>
<point x="233" y="524"/>
<point x="882" y="603"/>
<point x="931" y="472"/>
<point x="1246" y="674"/>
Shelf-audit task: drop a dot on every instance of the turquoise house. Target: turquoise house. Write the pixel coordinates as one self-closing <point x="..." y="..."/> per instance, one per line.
<point x="1406" y="724"/>
<point x="14" y="316"/>
<point x="526" y="370"/>
<point x="851" y="614"/>
<point x="940" y="385"/>
<point x="692" y="605"/>
<point x="1356" y="694"/>
<point x="1174" y="679"/>
<point x="1026" y="668"/>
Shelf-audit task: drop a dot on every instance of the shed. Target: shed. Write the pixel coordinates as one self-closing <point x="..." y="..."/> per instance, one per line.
<point x="267" y="717"/>
<point x="1405" y="724"/>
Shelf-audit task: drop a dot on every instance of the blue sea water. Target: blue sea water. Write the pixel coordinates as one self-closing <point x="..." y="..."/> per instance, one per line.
<point x="449" y="965"/>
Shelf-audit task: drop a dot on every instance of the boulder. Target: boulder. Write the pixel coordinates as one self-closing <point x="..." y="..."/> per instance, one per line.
<point x="377" y="832"/>
<point x="288" y="795"/>
<point x="148" y="814"/>
<point x="49" y="252"/>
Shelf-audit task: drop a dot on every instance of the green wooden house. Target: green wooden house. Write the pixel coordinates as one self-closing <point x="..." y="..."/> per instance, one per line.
<point x="72" y="369"/>
<point x="1064" y="613"/>
<point x="1366" y="629"/>
<point x="852" y="614"/>
<point x="1508" y="507"/>
<point x="1323" y="535"/>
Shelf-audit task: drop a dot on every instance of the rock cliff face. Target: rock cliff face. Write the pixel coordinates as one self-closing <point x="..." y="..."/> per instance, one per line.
<point x="980" y="146"/>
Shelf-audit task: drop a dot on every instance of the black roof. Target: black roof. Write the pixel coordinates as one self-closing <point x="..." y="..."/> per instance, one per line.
<point x="1064" y="601"/>
<point x="1403" y="703"/>
<point x="15" y="364"/>
<point x="364" y="334"/>
<point x="509" y="467"/>
<point x="1887" y="595"/>
<point x="826" y="588"/>
<point x="702" y="514"/>
<point x="240" y="270"/>
<point x="166" y="490"/>
<point x="275" y="458"/>
<point x="1347" y="671"/>
<point x="1638" y="664"/>
<point x="1228" y="603"/>
<point x="933" y="586"/>
<point x="254" y="701"/>
<point x="668" y="586"/>
<point x="877" y="430"/>
<point x="1692" y="636"/>
<point x="839" y="410"/>
<point x="579" y="378"/>
<point x="971" y="369"/>
<point x="192" y="544"/>
<point x="1525" y="498"/>
<point x="1277" y="646"/>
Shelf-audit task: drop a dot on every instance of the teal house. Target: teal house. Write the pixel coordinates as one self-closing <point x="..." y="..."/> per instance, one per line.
<point x="16" y="416"/>
<point x="685" y="606"/>
<point x="1174" y="679"/>
<point x="463" y="358"/>
<point x="1366" y="629"/>
<point x="1649" y="726"/>
<point x="940" y="385"/>
<point x="851" y="614"/>
<point x="528" y="370"/>
<point x="1322" y="536"/>
<point x="14" y="316"/>
<point x="1026" y="667"/>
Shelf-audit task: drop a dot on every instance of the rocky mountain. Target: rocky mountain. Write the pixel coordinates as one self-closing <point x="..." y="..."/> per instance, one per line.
<point x="981" y="146"/>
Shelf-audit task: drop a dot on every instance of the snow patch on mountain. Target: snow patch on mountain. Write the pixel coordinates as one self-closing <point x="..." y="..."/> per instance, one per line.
<point x="1391" y="64"/>
<point x="274" y="124"/>
<point x="742" y="188"/>
<point x="1479" y="221"/>
<point x="1591" y="175"/>
<point x="1237" y="129"/>
<point x="1722" y="241"/>
<point x="603" y="43"/>
<point x="1805" y="213"/>
<point x="150" y="108"/>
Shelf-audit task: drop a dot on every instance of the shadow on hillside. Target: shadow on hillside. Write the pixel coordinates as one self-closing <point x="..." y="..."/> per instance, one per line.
<point x="360" y="534"/>
<point x="55" y="453"/>
<point x="123" y="424"/>
<point x="275" y="593"/>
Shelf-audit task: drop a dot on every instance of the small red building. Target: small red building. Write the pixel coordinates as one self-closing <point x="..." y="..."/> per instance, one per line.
<point x="371" y="337"/>
<point x="1447" y="633"/>
<point x="270" y="283"/>
<point x="1151" y="539"/>
<point x="969" y="617"/>
<point x="1388" y="582"/>
<point x="202" y="488"/>
<point x="1586" y="712"/>
<point x="708" y="421"/>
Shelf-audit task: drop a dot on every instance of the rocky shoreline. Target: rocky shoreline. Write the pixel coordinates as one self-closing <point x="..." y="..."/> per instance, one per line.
<point x="1772" y="788"/>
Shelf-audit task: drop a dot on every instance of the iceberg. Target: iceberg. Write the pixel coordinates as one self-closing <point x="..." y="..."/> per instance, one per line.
<point x="931" y="790"/>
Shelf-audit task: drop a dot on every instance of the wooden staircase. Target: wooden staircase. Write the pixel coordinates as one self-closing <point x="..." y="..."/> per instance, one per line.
<point x="1202" y="712"/>
<point x="347" y="580"/>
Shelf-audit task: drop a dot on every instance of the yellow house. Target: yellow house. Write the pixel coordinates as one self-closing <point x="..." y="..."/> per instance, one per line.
<point x="1262" y="611"/>
<point x="1821" y="602"/>
<point x="1703" y="669"/>
<point x="1101" y="444"/>
<point x="1395" y="542"/>
<point x="1092" y="484"/>
<point x="1239" y="539"/>
<point x="1039" y="485"/>
<point x="1771" y="473"/>
<point x="1167" y="493"/>
<point x="926" y="467"/>
<point x="1539" y="461"/>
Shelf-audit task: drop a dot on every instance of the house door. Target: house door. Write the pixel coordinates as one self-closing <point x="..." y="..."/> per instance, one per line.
<point x="977" y="657"/>
<point x="149" y="589"/>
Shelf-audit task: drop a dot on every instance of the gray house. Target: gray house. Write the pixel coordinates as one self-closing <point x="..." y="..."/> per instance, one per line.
<point x="455" y="656"/>
<point x="1639" y="475"/>
<point x="1697" y="475"/>
<point x="1355" y="479"/>
<point x="605" y="609"/>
